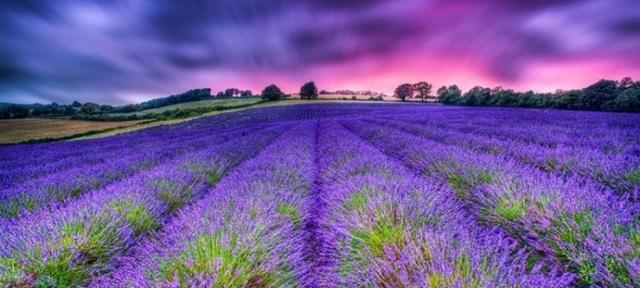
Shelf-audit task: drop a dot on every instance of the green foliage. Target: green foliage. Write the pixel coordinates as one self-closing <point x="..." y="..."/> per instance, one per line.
<point x="604" y="95"/>
<point x="586" y="272"/>
<point x="356" y="202"/>
<point x="423" y="89"/>
<point x="309" y="91"/>
<point x="437" y="280"/>
<point x="573" y="228"/>
<point x="90" y="108"/>
<point x="289" y="211"/>
<point x="386" y="232"/>
<point x="176" y="111"/>
<point x="460" y="185"/>
<point x="10" y="271"/>
<point x="13" y="207"/>
<point x="84" y="247"/>
<point x="137" y="216"/>
<point x="449" y="95"/>
<point x="60" y="271"/>
<point x="633" y="177"/>
<point x="233" y="264"/>
<point x="272" y="92"/>
<point x="173" y="195"/>
<point x="463" y="269"/>
<point x="188" y="96"/>
<point x="404" y="91"/>
<point x="619" y="270"/>
<point x="214" y="176"/>
<point x="512" y="210"/>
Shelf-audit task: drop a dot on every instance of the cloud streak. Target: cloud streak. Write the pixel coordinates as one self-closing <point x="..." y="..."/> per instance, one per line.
<point x="125" y="51"/>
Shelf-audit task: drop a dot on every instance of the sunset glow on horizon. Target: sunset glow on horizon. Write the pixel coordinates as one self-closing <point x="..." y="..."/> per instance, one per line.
<point x="125" y="52"/>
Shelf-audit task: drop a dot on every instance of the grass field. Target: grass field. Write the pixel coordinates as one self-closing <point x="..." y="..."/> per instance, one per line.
<point x="222" y="103"/>
<point x="19" y="130"/>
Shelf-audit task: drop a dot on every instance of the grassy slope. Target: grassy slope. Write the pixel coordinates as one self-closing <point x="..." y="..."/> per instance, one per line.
<point x="197" y="104"/>
<point x="19" y="130"/>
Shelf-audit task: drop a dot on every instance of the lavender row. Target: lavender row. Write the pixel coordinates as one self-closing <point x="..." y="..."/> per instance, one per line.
<point x="72" y="245"/>
<point x="385" y="227"/>
<point x="593" y="234"/>
<point x="59" y="188"/>
<point x="89" y="155"/>
<point x="587" y="131"/>
<point x="245" y="233"/>
<point x="619" y="172"/>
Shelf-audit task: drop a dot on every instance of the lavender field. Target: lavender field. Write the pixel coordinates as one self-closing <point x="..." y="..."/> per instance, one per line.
<point x="331" y="195"/>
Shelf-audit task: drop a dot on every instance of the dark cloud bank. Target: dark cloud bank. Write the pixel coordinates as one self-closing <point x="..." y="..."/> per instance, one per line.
<point x="125" y="51"/>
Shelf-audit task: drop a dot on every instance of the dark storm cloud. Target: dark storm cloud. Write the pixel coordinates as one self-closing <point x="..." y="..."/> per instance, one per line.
<point x="344" y="5"/>
<point x="628" y="27"/>
<point x="125" y="51"/>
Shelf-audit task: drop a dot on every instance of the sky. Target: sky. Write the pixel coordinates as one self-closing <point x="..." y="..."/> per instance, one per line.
<point x="119" y="52"/>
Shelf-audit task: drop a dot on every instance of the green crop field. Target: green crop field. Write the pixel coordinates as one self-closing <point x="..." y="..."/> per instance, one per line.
<point x="218" y="103"/>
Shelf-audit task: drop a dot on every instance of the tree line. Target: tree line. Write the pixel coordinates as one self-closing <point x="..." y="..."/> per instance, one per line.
<point x="604" y="95"/>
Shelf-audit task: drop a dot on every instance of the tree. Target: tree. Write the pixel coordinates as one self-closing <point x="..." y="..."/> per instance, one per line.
<point x="246" y="93"/>
<point x="628" y="101"/>
<point x="17" y="111"/>
<point x="76" y="104"/>
<point x="68" y="110"/>
<point x="309" y="91"/>
<point x="477" y="96"/>
<point x="423" y="89"/>
<point x="272" y="92"/>
<point x="596" y="96"/>
<point x="231" y="92"/>
<point x="90" y="108"/>
<point x="449" y="95"/>
<point x="626" y="83"/>
<point x="404" y="91"/>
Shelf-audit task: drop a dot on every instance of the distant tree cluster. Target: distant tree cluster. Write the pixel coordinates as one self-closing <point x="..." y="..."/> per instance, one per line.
<point x="373" y="95"/>
<point x="11" y="111"/>
<point x="234" y="92"/>
<point x="604" y="95"/>
<point x="421" y="90"/>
